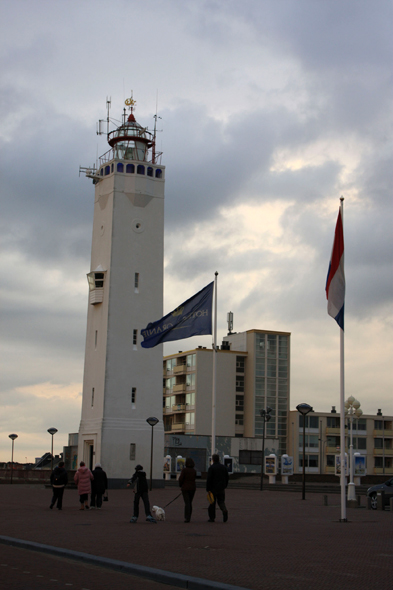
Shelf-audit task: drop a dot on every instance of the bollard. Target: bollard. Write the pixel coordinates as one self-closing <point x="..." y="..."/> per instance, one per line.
<point x="325" y="500"/>
<point x="381" y="500"/>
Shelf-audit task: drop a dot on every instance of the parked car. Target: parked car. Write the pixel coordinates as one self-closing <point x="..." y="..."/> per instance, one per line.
<point x="386" y="487"/>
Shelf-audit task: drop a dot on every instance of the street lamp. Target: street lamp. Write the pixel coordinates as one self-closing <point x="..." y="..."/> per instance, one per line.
<point x="152" y="421"/>
<point x="352" y="409"/>
<point x="52" y="432"/>
<point x="304" y="409"/>
<point x="12" y="437"/>
<point x="265" y="415"/>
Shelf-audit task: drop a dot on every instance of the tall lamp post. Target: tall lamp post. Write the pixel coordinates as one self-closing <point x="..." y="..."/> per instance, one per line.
<point x="152" y="421"/>
<point x="12" y="437"/>
<point x="304" y="409"/>
<point x="52" y="432"/>
<point x="352" y="409"/>
<point x="265" y="415"/>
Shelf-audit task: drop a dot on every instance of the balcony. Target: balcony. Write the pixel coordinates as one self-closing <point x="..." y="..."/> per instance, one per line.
<point x="180" y="388"/>
<point x="333" y="431"/>
<point x="382" y="433"/>
<point x="381" y="452"/>
<point x="179" y="408"/>
<point x="179" y="369"/>
<point x="177" y="427"/>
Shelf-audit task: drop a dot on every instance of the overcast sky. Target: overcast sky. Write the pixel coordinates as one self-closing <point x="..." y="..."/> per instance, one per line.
<point x="271" y="110"/>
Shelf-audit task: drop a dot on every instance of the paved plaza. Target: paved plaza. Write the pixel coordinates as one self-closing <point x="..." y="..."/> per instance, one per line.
<point x="272" y="541"/>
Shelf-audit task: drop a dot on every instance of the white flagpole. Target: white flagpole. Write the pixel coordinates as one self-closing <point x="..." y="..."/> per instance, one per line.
<point x="342" y="408"/>
<point x="214" y="387"/>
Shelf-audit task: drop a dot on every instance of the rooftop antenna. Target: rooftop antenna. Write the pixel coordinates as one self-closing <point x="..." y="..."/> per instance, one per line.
<point x="155" y="132"/>
<point x="230" y="322"/>
<point x="101" y="122"/>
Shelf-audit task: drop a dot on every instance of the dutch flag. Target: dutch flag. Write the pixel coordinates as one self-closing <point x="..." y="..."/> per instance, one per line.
<point x="335" y="282"/>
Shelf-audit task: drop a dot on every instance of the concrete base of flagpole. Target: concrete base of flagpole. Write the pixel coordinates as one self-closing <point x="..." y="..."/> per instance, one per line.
<point x="351" y="492"/>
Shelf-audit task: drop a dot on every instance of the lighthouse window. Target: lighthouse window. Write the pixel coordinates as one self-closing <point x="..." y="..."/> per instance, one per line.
<point x="112" y="168"/>
<point x="107" y="170"/>
<point x="134" y="337"/>
<point x="130" y="169"/>
<point x="136" y="282"/>
<point x="102" y="172"/>
<point x="120" y="167"/>
<point x="99" y="280"/>
<point x="158" y="173"/>
<point x="140" y="169"/>
<point x="150" y="171"/>
<point x="133" y="395"/>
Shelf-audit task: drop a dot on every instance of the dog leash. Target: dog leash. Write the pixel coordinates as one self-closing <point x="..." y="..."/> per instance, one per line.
<point x="172" y="500"/>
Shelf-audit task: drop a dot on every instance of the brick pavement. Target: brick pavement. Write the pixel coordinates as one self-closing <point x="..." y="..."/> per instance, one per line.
<point x="272" y="541"/>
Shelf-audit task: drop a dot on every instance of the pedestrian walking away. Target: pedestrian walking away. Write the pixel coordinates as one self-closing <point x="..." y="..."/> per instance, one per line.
<point x="59" y="480"/>
<point x="188" y="486"/>
<point x="98" y="486"/>
<point x="216" y="483"/>
<point x="83" y="478"/>
<point x="140" y="488"/>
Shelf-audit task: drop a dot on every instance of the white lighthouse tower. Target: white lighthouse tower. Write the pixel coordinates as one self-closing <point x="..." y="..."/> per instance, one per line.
<point x="122" y="384"/>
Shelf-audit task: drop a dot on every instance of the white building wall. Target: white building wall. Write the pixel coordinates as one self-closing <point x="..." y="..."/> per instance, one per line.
<point x="127" y="239"/>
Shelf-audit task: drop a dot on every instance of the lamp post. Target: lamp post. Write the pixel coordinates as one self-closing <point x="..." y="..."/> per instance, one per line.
<point x="265" y="415"/>
<point x="12" y="437"/>
<point x="52" y="432"/>
<point x="304" y="409"/>
<point x="152" y="421"/>
<point x="352" y="409"/>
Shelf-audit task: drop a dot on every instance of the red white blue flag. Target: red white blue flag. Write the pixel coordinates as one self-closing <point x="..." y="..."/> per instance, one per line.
<point x="335" y="282"/>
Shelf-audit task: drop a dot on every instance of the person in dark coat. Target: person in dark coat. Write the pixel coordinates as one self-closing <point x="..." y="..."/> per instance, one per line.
<point x="188" y="486"/>
<point x="59" y="480"/>
<point x="217" y="481"/>
<point x="98" y="486"/>
<point x="141" y="490"/>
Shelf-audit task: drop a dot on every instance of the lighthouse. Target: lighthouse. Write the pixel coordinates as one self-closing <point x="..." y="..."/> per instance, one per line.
<point x="122" y="383"/>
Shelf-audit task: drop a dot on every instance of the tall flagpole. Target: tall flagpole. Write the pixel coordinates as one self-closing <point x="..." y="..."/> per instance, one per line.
<point x="342" y="408"/>
<point x="214" y="387"/>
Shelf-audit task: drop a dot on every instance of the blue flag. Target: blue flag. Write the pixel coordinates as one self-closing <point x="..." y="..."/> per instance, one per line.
<point x="191" y="318"/>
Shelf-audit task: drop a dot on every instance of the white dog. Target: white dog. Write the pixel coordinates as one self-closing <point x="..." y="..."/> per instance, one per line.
<point x="159" y="513"/>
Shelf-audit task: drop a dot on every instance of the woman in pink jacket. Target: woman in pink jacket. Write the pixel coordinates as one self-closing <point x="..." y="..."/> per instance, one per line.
<point x="82" y="478"/>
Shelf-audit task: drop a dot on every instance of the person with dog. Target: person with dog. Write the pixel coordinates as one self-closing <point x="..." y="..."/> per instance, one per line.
<point x="188" y="486"/>
<point x="59" y="480"/>
<point x="140" y="488"/>
<point x="216" y="483"/>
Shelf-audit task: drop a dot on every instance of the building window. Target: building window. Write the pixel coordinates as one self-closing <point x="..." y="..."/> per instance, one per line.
<point x="92" y="397"/>
<point x="378" y="443"/>
<point x="330" y="460"/>
<point x="240" y="403"/>
<point x="239" y="383"/>
<point x="132" y="451"/>
<point x="239" y="419"/>
<point x="130" y="169"/>
<point x="333" y="422"/>
<point x="240" y="364"/>
<point x="95" y="339"/>
<point x="135" y="337"/>
<point x="120" y="167"/>
<point x="191" y="360"/>
<point x="133" y="396"/>
<point x="140" y="169"/>
<point x="150" y="171"/>
<point x="136" y="282"/>
<point x="311" y="421"/>
<point x="250" y="457"/>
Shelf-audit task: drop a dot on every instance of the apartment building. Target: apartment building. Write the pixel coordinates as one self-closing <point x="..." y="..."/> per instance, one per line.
<point x="252" y="374"/>
<point x="372" y="437"/>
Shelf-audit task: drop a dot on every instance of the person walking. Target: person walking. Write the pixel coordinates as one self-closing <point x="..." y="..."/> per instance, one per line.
<point x="83" y="478"/>
<point x="98" y="486"/>
<point x="217" y="482"/>
<point x="188" y="486"/>
<point x="139" y="483"/>
<point x="59" y="480"/>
